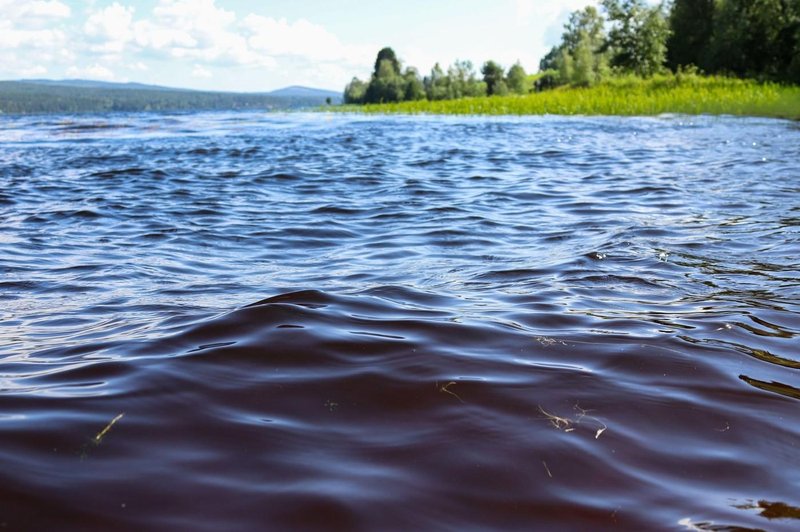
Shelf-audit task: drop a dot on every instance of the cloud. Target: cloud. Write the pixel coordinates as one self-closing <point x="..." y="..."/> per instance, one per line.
<point x="196" y="30"/>
<point x="110" y="29"/>
<point x="95" y="71"/>
<point x="278" y="37"/>
<point x="34" y="71"/>
<point x="44" y="9"/>
<point x="201" y="72"/>
<point x="11" y="37"/>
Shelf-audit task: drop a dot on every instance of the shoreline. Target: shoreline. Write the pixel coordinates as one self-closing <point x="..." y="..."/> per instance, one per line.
<point x="665" y="94"/>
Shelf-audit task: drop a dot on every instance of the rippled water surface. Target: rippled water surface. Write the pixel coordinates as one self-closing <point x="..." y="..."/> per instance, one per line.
<point x="242" y="322"/>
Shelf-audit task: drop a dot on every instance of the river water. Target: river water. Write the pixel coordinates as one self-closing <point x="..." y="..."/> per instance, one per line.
<point x="245" y="321"/>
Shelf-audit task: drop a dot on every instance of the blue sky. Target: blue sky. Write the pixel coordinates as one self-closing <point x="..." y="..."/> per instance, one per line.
<point x="244" y="45"/>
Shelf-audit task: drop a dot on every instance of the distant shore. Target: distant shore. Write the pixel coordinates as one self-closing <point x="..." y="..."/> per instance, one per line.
<point x="627" y="96"/>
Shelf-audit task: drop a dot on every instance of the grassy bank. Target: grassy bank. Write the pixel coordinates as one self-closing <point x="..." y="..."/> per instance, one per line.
<point x="688" y="94"/>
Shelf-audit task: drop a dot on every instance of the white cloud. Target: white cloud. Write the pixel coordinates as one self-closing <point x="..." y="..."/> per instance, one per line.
<point x="278" y="37"/>
<point x="95" y="71"/>
<point x="110" y="28"/>
<point x="196" y="30"/>
<point x="201" y="72"/>
<point x="11" y="37"/>
<point x="33" y="71"/>
<point x="44" y="9"/>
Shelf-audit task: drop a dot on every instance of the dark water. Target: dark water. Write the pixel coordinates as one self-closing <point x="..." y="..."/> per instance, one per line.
<point x="242" y="322"/>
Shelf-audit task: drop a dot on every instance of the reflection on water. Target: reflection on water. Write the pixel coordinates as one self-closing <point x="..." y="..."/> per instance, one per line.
<point x="217" y="321"/>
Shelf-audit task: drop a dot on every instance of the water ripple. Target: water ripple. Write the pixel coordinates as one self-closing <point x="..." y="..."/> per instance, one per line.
<point x="216" y="321"/>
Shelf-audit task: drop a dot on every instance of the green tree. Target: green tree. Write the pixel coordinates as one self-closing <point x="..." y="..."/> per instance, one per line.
<point x="355" y="91"/>
<point x="386" y="54"/>
<point x="493" y="76"/>
<point x="386" y="85"/>
<point x="584" y="24"/>
<point x="638" y="36"/>
<point x="566" y="66"/>
<point x="414" y="89"/>
<point x="437" y="84"/>
<point x="550" y="60"/>
<point x="691" y="25"/>
<point x="581" y="58"/>
<point x="757" y="38"/>
<point x="517" y="79"/>
<point x="463" y="80"/>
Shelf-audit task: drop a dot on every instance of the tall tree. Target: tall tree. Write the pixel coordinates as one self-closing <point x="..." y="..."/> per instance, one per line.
<point x="691" y="24"/>
<point x="386" y="85"/>
<point x="463" y="81"/>
<point x="414" y="89"/>
<point x="756" y="37"/>
<point x="638" y="36"/>
<point x="493" y="76"/>
<point x="355" y="91"/>
<point x="387" y="54"/>
<point x="517" y="79"/>
<point x="581" y="59"/>
<point x="437" y="84"/>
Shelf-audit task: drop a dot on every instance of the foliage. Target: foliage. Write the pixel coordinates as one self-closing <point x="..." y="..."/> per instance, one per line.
<point x="464" y="81"/>
<point x="627" y="95"/>
<point x="32" y="98"/>
<point x="414" y="89"/>
<point x="757" y="38"/>
<point x="691" y="22"/>
<point x="437" y="85"/>
<point x="355" y="91"/>
<point x="517" y="79"/>
<point x="493" y="76"/>
<point x="746" y="38"/>
<point x="386" y="54"/>
<point x="580" y="59"/>
<point x="638" y="36"/>
<point x="386" y="85"/>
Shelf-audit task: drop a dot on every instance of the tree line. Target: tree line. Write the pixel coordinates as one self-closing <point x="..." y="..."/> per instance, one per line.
<point x="17" y="97"/>
<point x="390" y="83"/>
<point x="757" y="39"/>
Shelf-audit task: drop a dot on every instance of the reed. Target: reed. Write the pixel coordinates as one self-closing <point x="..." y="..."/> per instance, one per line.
<point x="673" y="93"/>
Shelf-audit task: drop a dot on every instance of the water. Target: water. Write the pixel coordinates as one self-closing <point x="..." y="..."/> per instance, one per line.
<point x="246" y="321"/>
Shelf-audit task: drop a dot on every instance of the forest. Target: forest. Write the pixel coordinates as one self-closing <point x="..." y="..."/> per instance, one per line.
<point x="19" y="97"/>
<point x="752" y="39"/>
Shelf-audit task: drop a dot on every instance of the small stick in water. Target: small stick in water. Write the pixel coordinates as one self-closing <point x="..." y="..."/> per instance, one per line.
<point x="445" y="389"/>
<point x="103" y="432"/>
<point x="549" y="474"/>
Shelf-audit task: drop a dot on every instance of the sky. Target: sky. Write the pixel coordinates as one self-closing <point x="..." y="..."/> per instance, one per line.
<point x="252" y="46"/>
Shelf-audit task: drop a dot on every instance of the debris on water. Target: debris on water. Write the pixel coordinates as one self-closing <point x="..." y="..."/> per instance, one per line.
<point x="100" y="435"/>
<point x="569" y="424"/>
<point x="445" y="388"/>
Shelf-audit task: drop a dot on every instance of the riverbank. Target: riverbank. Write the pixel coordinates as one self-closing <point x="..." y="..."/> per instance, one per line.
<point x="627" y="96"/>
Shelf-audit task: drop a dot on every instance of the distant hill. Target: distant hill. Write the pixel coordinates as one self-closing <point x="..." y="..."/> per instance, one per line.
<point x="296" y="91"/>
<point x="38" y="96"/>
<point x="93" y="84"/>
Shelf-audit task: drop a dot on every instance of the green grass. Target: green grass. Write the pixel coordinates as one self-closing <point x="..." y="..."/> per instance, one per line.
<point x="680" y="93"/>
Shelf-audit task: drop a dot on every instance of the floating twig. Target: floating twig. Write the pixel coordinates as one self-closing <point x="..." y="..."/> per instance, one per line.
<point x="568" y="424"/>
<point x="549" y="474"/>
<point x="446" y="389"/>
<point x="102" y="433"/>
